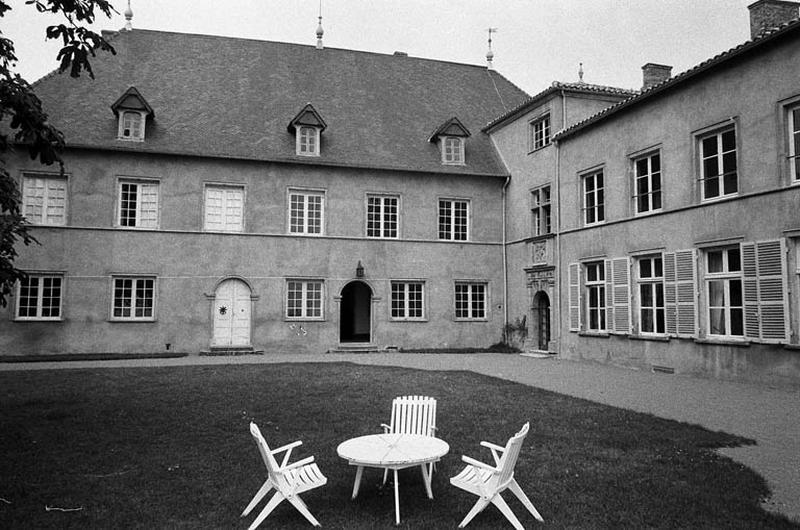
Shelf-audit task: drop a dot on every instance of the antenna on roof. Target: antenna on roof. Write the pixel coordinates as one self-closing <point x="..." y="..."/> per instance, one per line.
<point x="490" y="53"/>
<point x="128" y="17"/>
<point x="580" y="72"/>
<point x="320" y="32"/>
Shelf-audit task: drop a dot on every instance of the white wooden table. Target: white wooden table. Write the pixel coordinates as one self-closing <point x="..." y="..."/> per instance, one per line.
<point x="393" y="451"/>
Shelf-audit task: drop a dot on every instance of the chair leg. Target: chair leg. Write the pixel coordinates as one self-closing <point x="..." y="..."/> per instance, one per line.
<point x="273" y="502"/>
<point x="516" y="490"/>
<point x="478" y="508"/>
<point x="298" y="503"/>
<point x="498" y="501"/>
<point x="385" y="475"/>
<point x="259" y="495"/>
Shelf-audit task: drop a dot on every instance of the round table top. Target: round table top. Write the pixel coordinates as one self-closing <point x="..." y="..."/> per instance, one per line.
<point x="392" y="449"/>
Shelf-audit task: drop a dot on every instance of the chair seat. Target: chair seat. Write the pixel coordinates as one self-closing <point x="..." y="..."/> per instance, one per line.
<point x="472" y="479"/>
<point x="305" y="478"/>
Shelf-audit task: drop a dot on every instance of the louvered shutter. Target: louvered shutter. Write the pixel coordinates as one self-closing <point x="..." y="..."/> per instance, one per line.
<point x="574" y="296"/>
<point x="670" y="296"/>
<point x="686" y="291"/>
<point x="609" y="295"/>
<point x="765" y="302"/>
<point x="620" y="283"/>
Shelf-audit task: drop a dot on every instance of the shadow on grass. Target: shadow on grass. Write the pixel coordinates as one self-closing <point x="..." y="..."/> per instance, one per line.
<point x="170" y="448"/>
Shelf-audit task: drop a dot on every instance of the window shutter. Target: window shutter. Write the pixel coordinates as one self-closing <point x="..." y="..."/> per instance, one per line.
<point x="574" y="297"/>
<point x="766" y="304"/>
<point x="670" y="302"/>
<point x="148" y="205"/>
<point x="750" y="292"/>
<point x="620" y="279"/>
<point x="686" y="292"/>
<point x="609" y="294"/>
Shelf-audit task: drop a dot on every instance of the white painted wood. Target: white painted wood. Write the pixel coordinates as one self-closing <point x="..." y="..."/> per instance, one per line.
<point x="232" y="311"/>
<point x="488" y="482"/>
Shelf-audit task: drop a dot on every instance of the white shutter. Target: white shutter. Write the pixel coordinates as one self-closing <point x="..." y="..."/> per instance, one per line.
<point x="670" y="295"/>
<point x="609" y="294"/>
<point x="234" y="202"/>
<point x="765" y="284"/>
<point x="686" y="292"/>
<point x="214" y="209"/>
<point x="574" y="296"/>
<point x="148" y="205"/>
<point x="621" y="294"/>
<point x="752" y="328"/>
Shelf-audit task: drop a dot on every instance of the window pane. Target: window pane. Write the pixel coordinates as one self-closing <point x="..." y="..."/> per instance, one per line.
<point x="734" y="263"/>
<point x="717" y="321"/>
<point x="658" y="270"/>
<point x="736" y="322"/>
<point x="728" y="140"/>
<point x="645" y="268"/>
<point x="709" y="146"/>
<point x="716" y="293"/>
<point x="715" y="261"/>
<point x="736" y="293"/>
<point x="647" y="295"/>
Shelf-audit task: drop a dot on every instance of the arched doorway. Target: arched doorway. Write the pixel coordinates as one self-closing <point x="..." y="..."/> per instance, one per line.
<point x="232" y="304"/>
<point x="355" y="313"/>
<point x="541" y="320"/>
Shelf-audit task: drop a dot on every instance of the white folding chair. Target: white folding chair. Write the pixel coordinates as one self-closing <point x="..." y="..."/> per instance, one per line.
<point x="412" y="415"/>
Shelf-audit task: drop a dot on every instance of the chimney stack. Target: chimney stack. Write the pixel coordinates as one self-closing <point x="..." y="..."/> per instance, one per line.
<point x="768" y="14"/>
<point x="653" y="74"/>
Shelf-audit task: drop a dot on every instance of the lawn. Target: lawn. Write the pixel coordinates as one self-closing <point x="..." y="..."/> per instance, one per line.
<point x="170" y="448"/>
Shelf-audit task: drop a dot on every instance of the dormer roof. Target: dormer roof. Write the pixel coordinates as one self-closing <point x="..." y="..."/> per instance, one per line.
<point x="132" y="100"/>
<point x="452" y="127"/>
<point x="308" y="116"/>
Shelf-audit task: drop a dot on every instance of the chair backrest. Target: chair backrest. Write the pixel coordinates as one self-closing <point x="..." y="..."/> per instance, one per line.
<point x="413" y="415"/>
<point x="509" y="459"/>
<point x="263" y="448"/>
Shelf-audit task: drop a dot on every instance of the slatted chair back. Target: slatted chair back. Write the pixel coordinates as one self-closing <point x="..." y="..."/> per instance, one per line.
<point x="266" y="453"/>
<point x="414" y="415"/>
<point x="509" y="459"/>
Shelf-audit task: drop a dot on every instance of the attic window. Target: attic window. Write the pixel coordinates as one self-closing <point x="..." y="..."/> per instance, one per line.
<point x="452" y="150"/>
<point x="132" y="112"/>
<point x="131" y="125"/>
<point x="451" y="135"/>
<point x="307" y="126"/>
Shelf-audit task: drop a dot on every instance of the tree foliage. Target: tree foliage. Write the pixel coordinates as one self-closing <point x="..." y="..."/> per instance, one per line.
<point x="23" y="121"/>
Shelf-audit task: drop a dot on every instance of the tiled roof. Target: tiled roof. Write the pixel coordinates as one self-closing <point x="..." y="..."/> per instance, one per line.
<point x="558" y="86"/>
<point x="768" y="36"/>
<point x="228" y="97"/>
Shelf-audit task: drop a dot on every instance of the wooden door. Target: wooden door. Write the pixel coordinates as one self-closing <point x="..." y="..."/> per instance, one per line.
<point x="232" y="314"/>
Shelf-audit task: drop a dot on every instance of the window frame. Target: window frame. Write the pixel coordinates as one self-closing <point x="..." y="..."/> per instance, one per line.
<point x="224" y="186"/>
<point x="381" y="220"/>
<point x="305" y="222"/>
<point x="653" y="281"/>
<point x="598" y="286"/>
<point x="47" y="199"/>
<point x="717" y="132"/>
<point x="305" y="313"/>
<point x="40" y="291"/>
<point x="539" y="137"/>
<point x="471" y="286"/>
<point x="134" y="279"/>
<point x="403" y="305"/>
<point x="726" y="276"/>
<point x="138" y="182"/>
<point x="450" y="224"/>
<point x="122" y="126"/>
<point x="793" y="140"/>
<point x="541" y="210"/>
<point x="651" y="193"/>
<point x="304" y="141"/>
<point x="453" y="153"/>
<point x="598" y="208"/>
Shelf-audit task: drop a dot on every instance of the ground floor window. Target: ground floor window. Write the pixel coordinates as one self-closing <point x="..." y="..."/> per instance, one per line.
<point x="134" y="298"/>
<point x="596" y="296"/>
<point x="723" y="279"/>
<point x="39" y="297"/>
<point x="407" y="301"/>
<point x="304" y="299"/>
<point x="470" y="301"/>
<point x="651" y="294"/>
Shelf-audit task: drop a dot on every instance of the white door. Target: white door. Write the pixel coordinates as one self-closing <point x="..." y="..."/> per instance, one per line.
<point x="232" y="314"/>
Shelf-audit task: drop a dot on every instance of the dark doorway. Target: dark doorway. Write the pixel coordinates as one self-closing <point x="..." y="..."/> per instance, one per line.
<point x="541" y="320"/>
<point x="355" y="315"/>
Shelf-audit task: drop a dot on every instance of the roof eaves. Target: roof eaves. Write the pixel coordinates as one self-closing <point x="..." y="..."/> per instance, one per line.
<point x="783" y="29"/>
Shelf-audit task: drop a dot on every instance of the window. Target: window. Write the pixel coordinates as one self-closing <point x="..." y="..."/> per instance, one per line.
<point x="647" y="183"/>
<point x="308" y="141"/>
<point x="306" y="210"/>
<point x="131" y="125"/>
<point x="407" y="300"/>
<point x="134" y="298"/>
<point x="304" y="299"/>
<point x="540" y="211"/>
<point x="44" y="199"/>
<point x="382" y="216"/>
<point x="453" y="219"/>
<point x="718" y="173"/>
<point x="39" y="297"/>
<point x="471" y="301"/>
<point x="452" y="150"/>
<point x="724" y="292"/>
<point x="794" y="144"/>
<point x="651" y="295"/>
<point x="540" y="133"/>
<point x="593" y="200"/>
<point x="224" y="208"/>
<point x="596" y="296"/>
<point x="138" y="204"/>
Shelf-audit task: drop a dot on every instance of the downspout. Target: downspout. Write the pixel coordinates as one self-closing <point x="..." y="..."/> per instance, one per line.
<point x="505" y="263"/>
<point x="558" y="223"/>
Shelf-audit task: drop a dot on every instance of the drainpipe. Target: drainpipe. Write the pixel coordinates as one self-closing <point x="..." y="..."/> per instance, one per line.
<point x="505" y="263"/>
<point x="558" y="223"/>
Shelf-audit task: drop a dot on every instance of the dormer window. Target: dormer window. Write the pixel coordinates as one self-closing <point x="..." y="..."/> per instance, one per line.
<point x="450" y="136"/>
<point x="307" y="126"/>
<point x="132" y="112"/>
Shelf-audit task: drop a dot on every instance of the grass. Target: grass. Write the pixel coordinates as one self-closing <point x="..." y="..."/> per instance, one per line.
<point x="170" y="448"/>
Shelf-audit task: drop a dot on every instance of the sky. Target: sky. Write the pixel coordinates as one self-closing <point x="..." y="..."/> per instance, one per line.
<point x="537" y="41"/>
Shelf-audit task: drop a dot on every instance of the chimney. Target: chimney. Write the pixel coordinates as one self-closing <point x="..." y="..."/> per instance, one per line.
<point x="768" y="14"/>
<point x="653" y="74"/>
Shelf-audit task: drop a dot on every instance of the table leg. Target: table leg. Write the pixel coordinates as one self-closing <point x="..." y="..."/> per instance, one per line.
<point x="426" y="478"/>
<point x="396" y="499"/>
<point x="359" y="472"/>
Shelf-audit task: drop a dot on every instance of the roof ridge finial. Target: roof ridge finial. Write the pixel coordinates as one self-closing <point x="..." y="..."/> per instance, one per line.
<point x="320" y="31"/>
<point x="128" y="17"/>
<point x="490" y="53"/>
<point x="580" y="72"/>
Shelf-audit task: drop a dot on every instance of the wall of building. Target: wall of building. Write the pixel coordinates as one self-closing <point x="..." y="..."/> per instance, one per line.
<point x="189" y="263"/>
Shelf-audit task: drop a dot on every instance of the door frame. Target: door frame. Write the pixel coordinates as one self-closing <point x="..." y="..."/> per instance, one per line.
<point x="372" y="299"/>
<point x="212" y="297"/>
